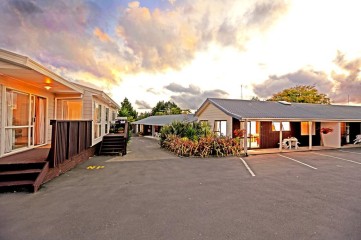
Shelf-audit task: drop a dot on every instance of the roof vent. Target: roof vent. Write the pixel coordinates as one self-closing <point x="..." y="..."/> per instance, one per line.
<point x="284" y="102"/>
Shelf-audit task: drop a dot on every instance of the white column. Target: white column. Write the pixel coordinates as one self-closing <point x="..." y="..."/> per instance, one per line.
<point x="153" y="129"/>
<point x="310" y="135"/>
<point x="245" y="138"/>
<point x="281" y="137"/>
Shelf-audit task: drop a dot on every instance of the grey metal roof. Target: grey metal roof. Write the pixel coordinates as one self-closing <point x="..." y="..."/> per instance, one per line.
<point x="242" y="109"/>
<point x="162" y="120"/>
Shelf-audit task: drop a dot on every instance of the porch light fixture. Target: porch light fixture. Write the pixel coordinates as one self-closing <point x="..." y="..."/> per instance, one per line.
<point x="47" y="87"/>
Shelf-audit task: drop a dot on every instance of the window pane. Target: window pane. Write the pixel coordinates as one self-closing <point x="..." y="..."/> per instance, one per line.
<point x="286" y="126"/>
<point x="223" y="128"/>
<point x="107" y="114"/>
<point x="17" y="110"/>
<point x="72" y="109"/>
<point x="16" y="138"/>
<point x="216" y="126"/>
<point x="276" y="126"/>
<point x="305" y="127"/>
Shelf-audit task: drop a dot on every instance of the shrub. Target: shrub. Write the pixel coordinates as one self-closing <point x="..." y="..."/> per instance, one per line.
<point x="196" y="139"/>
<point x="192" y="131"/>
<point x="204" y="147"/>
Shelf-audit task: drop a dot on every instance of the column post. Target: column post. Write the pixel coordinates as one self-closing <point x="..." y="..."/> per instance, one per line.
<point x="310" y="134"/>
<point x="281" y="139"/>
<point x="245" y="137"/>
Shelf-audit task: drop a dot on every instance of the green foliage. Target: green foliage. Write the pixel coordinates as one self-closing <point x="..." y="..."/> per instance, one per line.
<point x="196" y="139"/>
<point x="204" y="147"/>
<point x="144" y="115"/>
<point x="192" y="131"/>
<point x="301" y="94"/>
<point x="126" y="110"/>
<point x="166" y="108"/>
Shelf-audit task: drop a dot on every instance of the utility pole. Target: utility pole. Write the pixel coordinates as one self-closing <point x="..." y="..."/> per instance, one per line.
<point x="241" y="91"/>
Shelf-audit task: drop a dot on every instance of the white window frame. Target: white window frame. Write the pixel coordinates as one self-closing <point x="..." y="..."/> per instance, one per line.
<point x="107" y="120"/>
<point x="276" y="126"/>
<point x="97" y="120"/>
<point x="220" y="132"/>
<point x="30" y="126"/>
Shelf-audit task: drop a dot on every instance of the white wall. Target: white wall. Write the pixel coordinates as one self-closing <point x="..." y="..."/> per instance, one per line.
<point x="332" y="139"/>
<point x="87" y="106"/>
<point x="88" y="110"/>
<point x="211" y="113"/>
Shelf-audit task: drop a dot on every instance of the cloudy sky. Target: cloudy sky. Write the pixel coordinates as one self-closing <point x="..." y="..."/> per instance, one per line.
<point x="188" y="50"/>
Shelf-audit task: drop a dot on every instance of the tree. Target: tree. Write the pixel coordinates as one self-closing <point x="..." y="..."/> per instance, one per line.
<point x="166" y="108"/>
<point x="126" y="110"/>
<point x="255" y="98"/>
<point x="144" y="115"/>
<point x="301" y="94"/>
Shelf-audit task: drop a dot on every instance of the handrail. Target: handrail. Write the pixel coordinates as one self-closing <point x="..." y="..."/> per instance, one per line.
<point x="69" y="138"/>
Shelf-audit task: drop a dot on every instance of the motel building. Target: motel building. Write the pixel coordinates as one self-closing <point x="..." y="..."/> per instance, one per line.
<point x="268" y="125"/>
<point x="42" y="110"/>
<point x="151" y="126"/>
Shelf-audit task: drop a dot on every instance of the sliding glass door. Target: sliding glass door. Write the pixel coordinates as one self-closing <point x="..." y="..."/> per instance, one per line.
<point x="17" y="132"/>
<point x="25" y="120"/>
<point x="253" y="130"/>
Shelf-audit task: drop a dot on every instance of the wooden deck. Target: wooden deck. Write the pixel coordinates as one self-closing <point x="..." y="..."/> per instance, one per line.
<point x="39" y="154"/>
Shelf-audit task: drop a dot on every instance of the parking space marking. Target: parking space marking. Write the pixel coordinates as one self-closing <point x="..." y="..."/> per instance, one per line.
<point x="248" y="168"/>
<point x="343" y="159"/>
<point x="349" y="152"/>
<point x="298" y="161"/>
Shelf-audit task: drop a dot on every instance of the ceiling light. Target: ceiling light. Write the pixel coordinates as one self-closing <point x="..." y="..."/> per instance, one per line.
<point x="47" y="87"/>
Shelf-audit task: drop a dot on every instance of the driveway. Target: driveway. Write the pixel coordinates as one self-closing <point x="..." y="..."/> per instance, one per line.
<point x="142" y="149"/>
<point x="182" y="198"/>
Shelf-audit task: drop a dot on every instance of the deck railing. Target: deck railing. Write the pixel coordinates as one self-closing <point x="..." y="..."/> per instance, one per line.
<point x="69" y="138"/>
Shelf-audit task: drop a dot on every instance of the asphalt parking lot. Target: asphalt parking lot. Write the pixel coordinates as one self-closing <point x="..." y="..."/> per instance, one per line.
<point x="301" y="195"/>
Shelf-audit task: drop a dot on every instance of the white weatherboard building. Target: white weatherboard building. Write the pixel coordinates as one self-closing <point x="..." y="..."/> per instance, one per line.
<point x="32" y="95"/>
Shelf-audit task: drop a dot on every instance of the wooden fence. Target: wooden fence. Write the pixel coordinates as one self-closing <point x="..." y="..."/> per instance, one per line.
<point x="69" y="138"/>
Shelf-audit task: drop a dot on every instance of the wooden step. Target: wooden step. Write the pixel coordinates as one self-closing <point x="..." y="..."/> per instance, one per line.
<point x="17" y="183"/>
<point x="113" y="147"/>
<point x="21" y="166"/>
<point x="22" y="176"/>
<point x="16" y="172"/>
<point x="111" y="153"/>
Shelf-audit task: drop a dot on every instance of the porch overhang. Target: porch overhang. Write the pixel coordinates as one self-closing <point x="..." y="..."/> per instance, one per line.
<point x="26" y="71"/>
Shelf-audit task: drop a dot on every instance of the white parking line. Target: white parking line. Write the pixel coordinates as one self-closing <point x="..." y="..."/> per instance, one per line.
<point x="349" y="152"/>
<point x="248" y="168"/>
<point x="343" y="159"/>
<point x="298" y="161"/>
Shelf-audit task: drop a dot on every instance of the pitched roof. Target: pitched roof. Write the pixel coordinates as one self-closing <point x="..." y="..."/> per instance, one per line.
<point x="162" y="120"/>
<point x="100" y="94"/>
<point x="248" y="109"/>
